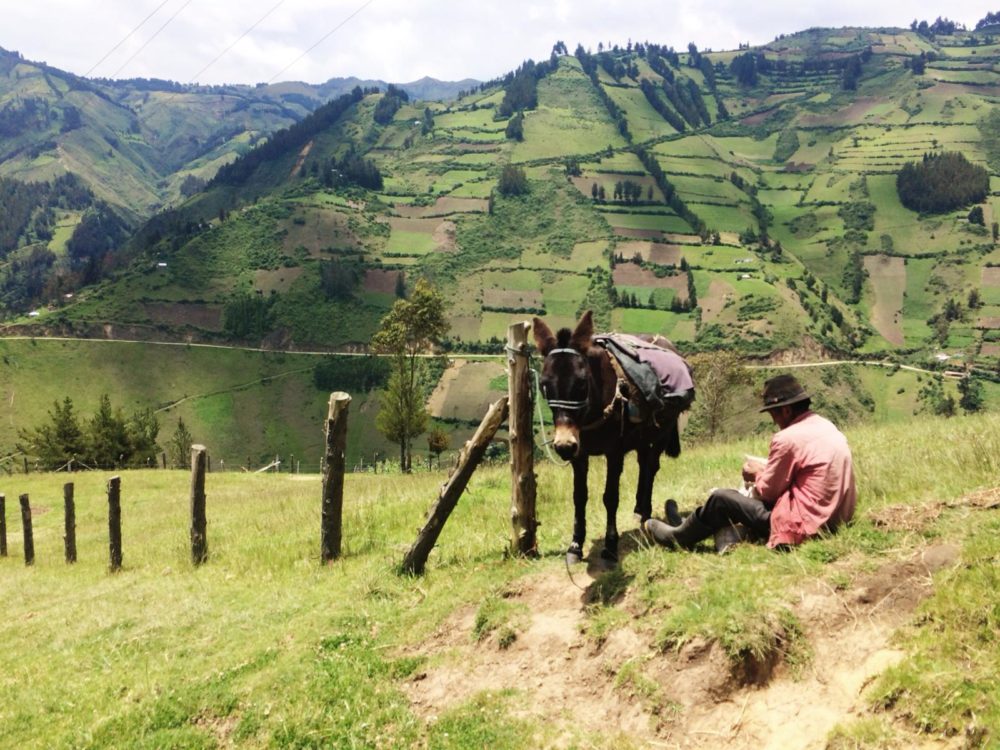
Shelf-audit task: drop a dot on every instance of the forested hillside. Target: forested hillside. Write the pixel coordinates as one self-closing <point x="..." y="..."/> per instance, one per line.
<point x="762" y="199"/>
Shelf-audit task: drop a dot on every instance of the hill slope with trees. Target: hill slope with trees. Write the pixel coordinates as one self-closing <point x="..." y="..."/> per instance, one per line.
<point x="744" y="199"/>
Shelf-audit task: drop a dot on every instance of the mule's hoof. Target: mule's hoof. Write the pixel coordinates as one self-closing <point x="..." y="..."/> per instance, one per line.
<point x="609" y="555"/>
<point x="574" y="555"/>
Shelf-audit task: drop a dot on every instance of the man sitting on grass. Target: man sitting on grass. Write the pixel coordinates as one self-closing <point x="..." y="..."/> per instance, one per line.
<point x="806" y="486"/>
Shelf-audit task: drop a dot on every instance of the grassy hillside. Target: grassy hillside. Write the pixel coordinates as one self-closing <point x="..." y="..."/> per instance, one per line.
<point x="882" y="636"/>
<point x="250" y="406"/>
<point x="771" y="197"/>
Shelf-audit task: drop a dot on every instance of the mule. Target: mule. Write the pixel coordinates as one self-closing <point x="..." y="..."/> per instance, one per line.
<point x="591" y="418"/>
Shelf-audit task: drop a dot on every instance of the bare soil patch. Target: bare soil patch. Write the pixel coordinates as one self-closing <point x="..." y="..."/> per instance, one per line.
<point x="858" y="108"/>
<point x="444" y="236"/>
<point x="990" y="350"/>
<point x="719" y="293"/>
<point x="381" y="280"/>
<point x="888" y="279"/>
<point x="988" y="322"/>
<point x="279" y="280"/>
<point x="574" y="682"/>
<point x="463" y="391"/>
<point x="302" y="157"/>
<point x="653" y="252"/>
<point x="758" y="118"/>
<point x="991" y="276"/>
<point x="318" y="228"/>
<point x="208" y="317"/>
<point x="631" y="274"/>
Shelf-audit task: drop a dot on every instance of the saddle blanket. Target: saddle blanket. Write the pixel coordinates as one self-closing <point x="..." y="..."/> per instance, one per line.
<point x="653" y="366"/>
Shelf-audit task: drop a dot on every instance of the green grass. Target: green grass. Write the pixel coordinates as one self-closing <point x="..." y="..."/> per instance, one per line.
<point x="410" y="243"/>
<point x="262" y="647"/>
<point x="240" y="403"/>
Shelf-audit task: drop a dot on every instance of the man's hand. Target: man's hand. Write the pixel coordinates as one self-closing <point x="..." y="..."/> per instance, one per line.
<point x="751" y="469"/>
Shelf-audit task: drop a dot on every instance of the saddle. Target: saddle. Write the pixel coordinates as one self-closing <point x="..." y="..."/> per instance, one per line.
<point x="652" y="375"/>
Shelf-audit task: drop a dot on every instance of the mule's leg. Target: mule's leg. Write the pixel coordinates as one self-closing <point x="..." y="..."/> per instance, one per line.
<point x="575" y="552"/>
<point x="648" y="458"/>
<point x="615" y="463"/>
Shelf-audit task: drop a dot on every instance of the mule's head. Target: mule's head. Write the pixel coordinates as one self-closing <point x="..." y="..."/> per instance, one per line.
<point x="566" y="380"/>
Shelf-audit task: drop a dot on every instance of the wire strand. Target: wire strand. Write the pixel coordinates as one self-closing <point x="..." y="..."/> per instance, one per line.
<point x="155" y="34"/>
<point x="194" y="78"/>
<point x="125" y="38"/>
<point x="322" y="39"/>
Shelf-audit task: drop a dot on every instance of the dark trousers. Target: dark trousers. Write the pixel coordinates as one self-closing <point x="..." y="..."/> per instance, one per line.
<point x="726" y="507"/>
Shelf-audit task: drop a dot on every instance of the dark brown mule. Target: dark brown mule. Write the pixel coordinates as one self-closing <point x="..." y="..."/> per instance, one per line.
<point x="580" y="385"/>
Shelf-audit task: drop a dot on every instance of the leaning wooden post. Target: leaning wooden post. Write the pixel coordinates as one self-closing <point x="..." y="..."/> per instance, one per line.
<point x="3" y="526"/>
<point x="333" y="476"/>
<point x="115" y="523"/>
<point x="468" y="458"/>
<point x="70" y="522"/>
<point x="199" y="523"/>
<point x="524" y="540"/>
<point x="29" y="536"/>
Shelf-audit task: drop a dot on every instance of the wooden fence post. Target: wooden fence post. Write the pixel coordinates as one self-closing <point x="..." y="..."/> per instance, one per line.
<point x="333" y="476"/>
<point x="199" y="523"/>
<point x="29" y="536"/>
<point x="163" y="456"/>
<point x="468" y="458"/>
<point x="3" y="526"/>
<point x="522" y="443"/>
<point x="115" y="523"/>
<point x="70" y="522"/>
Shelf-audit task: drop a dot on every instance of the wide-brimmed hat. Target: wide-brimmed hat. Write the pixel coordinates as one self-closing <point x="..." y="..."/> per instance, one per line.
<point x="783" y="390"/>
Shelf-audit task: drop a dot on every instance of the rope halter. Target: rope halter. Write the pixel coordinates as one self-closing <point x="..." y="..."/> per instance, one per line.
<point x="565" y="404"/>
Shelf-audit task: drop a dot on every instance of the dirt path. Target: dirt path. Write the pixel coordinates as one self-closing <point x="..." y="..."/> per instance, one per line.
<point x="301" y="160"/>
<point x="572" y="683"/>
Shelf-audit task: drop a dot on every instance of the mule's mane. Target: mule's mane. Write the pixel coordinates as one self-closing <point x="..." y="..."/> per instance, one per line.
<point x="563" y="338"/>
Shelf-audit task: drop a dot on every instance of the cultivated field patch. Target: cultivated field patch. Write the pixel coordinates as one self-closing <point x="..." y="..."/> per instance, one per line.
<point x="659" y="253"/>
<point x="443" y="206"/>
<point x="464" y="391"/>
<point x="279" y="280"/>
<point x="205" y="316"/>
<point x="380" y="280"/>
<point x="512" y="299"/>
<point x="585" y="184"/>
<point x="887" y="276"/>
<point x="318" y="228"/>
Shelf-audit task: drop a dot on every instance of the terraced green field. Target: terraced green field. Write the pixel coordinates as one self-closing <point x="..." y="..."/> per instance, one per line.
<point x="799" y="156"/>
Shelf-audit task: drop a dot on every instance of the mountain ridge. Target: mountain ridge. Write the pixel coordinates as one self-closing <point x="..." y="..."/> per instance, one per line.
<point x="738" y="198"/>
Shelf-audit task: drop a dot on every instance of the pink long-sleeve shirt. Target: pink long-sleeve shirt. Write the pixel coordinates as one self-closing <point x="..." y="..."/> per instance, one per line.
<point x="809" y="479"/>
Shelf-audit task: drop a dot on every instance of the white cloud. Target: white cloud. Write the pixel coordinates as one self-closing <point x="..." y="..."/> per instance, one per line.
<point x="400" y="40"/>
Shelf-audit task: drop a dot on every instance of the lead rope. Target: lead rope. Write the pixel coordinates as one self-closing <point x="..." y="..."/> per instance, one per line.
<point x="541" y="422"/>
<point x="552" y="458"/>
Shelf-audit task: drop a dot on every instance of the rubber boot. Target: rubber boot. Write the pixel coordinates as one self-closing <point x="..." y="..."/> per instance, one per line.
<point x="729" y="536"/>
<point x="689" y="533"/>
<point x="671" y="513"/>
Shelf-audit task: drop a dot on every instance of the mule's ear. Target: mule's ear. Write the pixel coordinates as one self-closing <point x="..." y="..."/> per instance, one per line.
<point x="584" y="331"/>
<point x="545" y="340"/>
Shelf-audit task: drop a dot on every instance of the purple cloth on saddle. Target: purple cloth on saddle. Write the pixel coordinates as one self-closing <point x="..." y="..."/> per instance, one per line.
<point x="669" y="366"/>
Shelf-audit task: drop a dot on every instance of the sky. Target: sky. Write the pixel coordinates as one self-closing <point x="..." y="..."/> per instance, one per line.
<point x="254" y="41"/>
